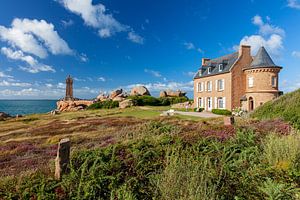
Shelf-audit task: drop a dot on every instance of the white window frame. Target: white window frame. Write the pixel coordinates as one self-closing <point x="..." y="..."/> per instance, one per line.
<point x="221" y="102"/>
<point x="221" y="67"/>
<point x="250" y="81"/>
<point x="200" y="87"/>
<point x="221" y="87"/>
<point x="200" y="102"/>
<point x="209" y="83"/>
<point x="209" y="103"/>
<point x="209" y="70"/>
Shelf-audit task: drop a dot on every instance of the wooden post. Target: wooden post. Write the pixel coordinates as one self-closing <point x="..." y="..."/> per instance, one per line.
<point x="63" y="158"/>
<point x="228" y="120"/>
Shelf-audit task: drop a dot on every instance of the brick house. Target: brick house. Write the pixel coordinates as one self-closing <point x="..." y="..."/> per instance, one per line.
<point x="236" y="80"/>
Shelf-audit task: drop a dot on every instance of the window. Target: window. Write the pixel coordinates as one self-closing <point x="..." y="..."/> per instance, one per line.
<point x="200" y="87"/>
<point x="250" y="82"/>
<point x="274" y="81"/>
<point x="221" y="84"/>
<point x="221" y="102"/>
<point x="209" y="85"/>
<point x="200" y="102"/>
<point x="209" y="70"/>
<point x="209" y="103"/>
<point x="220" y="67"/>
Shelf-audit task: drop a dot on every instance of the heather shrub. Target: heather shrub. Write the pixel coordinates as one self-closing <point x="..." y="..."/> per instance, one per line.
<point x="286" y="107"/>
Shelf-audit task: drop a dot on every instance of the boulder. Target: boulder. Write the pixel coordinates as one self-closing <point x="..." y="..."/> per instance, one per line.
<point x="4" y="116"/>
<point x="63" y="106"/>
<point x="139" y="91"/>
<point x="126" y="103"/>
<point x="115" y="93"/>
<point x="163" y="94"/>
<point x="102" y="97"/>
<point x="118" y="98"/>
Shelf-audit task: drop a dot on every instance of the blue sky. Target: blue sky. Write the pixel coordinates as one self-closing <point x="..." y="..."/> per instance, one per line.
<point x="113" y="44"/>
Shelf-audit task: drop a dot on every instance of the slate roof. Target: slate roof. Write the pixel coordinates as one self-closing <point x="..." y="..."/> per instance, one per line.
<point x="262" y="59"/>
<point x="227" y="62"/>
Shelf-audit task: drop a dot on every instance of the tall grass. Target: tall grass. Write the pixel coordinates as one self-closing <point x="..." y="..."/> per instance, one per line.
<point x="187" y="177"/>
<point x="282" y="152"/>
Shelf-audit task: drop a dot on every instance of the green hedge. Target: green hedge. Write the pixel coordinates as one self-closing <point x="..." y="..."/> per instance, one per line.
<point x="221" y="112"/>
<point x="198" y="109"/>
<point x="104" y="105"/>
<point x="153" y="101"/>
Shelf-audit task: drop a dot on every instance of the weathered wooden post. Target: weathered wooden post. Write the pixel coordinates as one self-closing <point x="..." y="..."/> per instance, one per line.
<point x="63" y="158"/>
<point x="228" y="120"/>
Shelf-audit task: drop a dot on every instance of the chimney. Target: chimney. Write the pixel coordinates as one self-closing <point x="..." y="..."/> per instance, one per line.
<point x="245" y="50"/>
<point x="204" y="60"/>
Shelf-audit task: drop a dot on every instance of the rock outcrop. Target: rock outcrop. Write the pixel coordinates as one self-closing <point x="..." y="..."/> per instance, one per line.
<point x="63" y="106"/>
<point x="102" y="97"/>
<point x="126" y="103"/>
<point x="170" y="93"/>
<point x="115" y="93"/>
<point x="139" y="91"/>
<point x="4" y="116"/>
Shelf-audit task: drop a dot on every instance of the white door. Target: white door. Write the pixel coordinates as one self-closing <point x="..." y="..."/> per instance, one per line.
<point x="209" y="103"/>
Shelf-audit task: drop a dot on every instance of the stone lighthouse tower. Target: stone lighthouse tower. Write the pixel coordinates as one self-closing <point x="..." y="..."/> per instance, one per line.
<point x="69" y="89"/>
<point x="261" y="81"/>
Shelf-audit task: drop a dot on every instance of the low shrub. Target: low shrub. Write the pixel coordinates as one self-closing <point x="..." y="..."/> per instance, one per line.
<point x="221" y="112"/>
<point x="104" y="105"/>
<point x="198" y="109"/>
<point x="145" y="101"/>
<point x="153" y="101"/>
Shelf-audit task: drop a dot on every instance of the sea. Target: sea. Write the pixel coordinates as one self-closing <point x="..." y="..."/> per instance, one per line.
<point x="25" y="107"/>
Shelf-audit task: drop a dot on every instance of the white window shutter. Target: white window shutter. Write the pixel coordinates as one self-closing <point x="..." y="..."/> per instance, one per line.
<point x="224" y="102"/>
<point x="205" y="86"/>
<point x="202" y="102"/>
<point x="223" y="84"/>
<point x="205" y="103"/>
<point x="216" y="85"/>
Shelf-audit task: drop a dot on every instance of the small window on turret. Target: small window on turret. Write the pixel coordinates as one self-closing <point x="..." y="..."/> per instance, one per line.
<point x="274" y="81"/>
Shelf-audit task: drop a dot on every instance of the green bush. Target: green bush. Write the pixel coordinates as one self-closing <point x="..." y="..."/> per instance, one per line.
<point x="286" y="107"/>
<point x="221" y="112"/>
<point x="104" y="105"/>
<point x="153" y="101"/>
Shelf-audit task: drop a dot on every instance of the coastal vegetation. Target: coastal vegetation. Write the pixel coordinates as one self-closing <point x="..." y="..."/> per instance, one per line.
<point x="135" y="154"/>
<point x="286" y="107"/>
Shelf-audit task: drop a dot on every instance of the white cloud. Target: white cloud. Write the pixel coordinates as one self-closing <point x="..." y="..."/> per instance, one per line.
<point x="3" y="75"/>
<point x="97" y="17"/>
<point x="132" y="36"/>
<point x="83" y="57"/>
<point x="33" y="65"/>
<point x="270" y="36"/>
<point x="102" y="79"/>
<point x="14" y="84"/>
<point x="153" y="73"/>
<point x="293" y="4"/>
<point x="67" y="23"/>
<point x="274" y="44"/>
<point x="191" y="46"/>
<point x="34" y="37"/>
<point x="172" y="85"/>
<point x="296" y="54"/>
<point x="191" y="74"/>
<point x="265" y="28"/>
